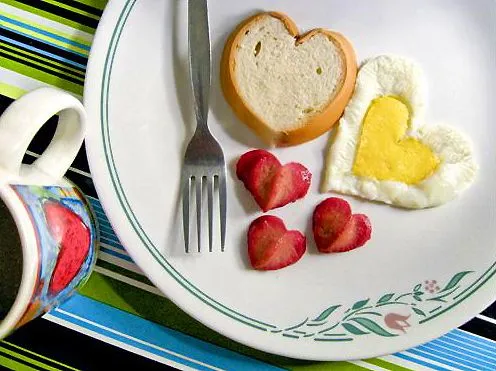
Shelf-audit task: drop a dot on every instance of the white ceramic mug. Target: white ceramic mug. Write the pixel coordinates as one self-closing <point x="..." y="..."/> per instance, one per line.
<point x="48" y="236"/>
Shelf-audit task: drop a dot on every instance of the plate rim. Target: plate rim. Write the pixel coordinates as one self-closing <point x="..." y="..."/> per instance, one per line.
<point x="96" y="151"/>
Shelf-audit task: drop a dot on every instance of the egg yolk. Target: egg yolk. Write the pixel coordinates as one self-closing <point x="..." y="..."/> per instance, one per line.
<point x="384" y="153"/>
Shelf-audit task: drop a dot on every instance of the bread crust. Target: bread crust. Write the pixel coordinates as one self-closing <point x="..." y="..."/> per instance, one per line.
<point x="316" y="125"/>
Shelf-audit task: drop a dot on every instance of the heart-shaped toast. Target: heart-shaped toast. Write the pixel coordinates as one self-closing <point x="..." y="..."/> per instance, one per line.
<point x="272" y="184"/>
<point x="288" y="88"/>
<point x="271" y="246"/>
<point x="383" y="151"/>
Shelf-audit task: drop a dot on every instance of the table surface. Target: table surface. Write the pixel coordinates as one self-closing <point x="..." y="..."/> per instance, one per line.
<point x="119" y="319"/>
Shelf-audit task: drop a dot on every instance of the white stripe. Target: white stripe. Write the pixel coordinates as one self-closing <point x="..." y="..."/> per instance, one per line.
<point x="416" y="366"/>
<point x="129" y="281"/>
<point x="368" y="366"/>
<point x="486" y="318"/>
<point x="73" y="169"/>
<point x="442" y="356"/>
<point x="67" y="30"/>
<point x="136" y="339"/>
<point x="114" y="342"/>
<point x="120" y="262"/>
<point x="116" y="249"/>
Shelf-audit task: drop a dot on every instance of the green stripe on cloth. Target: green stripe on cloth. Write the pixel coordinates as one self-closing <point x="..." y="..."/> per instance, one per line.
<point x="54" y="31"/>
<point x="162" y="311"/>
<point x="48" y="15"/>
<point x="47" y="62"/>
<point x="37" y="63"/>
<point x="98" y="4"/>
<point x="14" y="365"/>
<point x="72" y="9"/>
<point x="386" y="365"/>
<point x="41" y="76"/>
<point x="10" y="91"/>
<point x="26" y="360"/>
<point x="39" y="356"/>
<point x="327" y="366"/>
<point x="119" y="270"/>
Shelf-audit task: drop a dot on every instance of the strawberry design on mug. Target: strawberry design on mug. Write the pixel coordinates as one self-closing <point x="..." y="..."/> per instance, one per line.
<point x="74" y="239"/>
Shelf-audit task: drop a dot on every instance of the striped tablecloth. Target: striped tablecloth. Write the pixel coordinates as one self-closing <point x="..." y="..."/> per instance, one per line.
<point x="119" y="319"/>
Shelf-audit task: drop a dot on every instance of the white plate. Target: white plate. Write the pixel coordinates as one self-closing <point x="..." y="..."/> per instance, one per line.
<point x="139" y="104"/>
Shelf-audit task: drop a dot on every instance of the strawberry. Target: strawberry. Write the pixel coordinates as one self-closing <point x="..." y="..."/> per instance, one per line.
<point x="335" y="229"/>
<point x="259" y="179"/>
<point x="271" y="184"/>
<point x="73" y="236"/>
<point x="290" y="183"/>
<point x="247" y="161"/>
<point x="271" y="246"/>
<point x="356" y="233"/>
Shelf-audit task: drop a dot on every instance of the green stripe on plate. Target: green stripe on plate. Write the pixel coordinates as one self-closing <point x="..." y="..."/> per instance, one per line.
<point x="72" y="9"/>
<point x="39" y="355"/>
<point x="11" y="91"/>
<point x="14" y="365"/>
<point x="45" y="28"/>
<point x="26" y="32"/>
<point x="23" y="358"/>
<point x="44" y="65"/>
<point x="98" y="4"/>
<point x="48" y="15"/>
<point x="387" y="365"/>
<point x="47" y="62"/>
<point x="41" y="76"/>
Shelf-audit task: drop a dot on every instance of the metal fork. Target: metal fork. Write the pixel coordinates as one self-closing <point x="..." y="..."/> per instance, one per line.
<point x="204" y="159"/>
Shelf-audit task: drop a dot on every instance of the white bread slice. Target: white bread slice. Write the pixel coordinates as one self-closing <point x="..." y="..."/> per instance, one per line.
<point x="288" y="88"/>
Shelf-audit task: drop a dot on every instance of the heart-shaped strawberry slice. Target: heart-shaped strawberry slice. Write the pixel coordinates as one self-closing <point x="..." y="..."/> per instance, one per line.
<point x="336" y="229"/>
<point x="271" y="246"/>
<point x="271" y="184"/>
<point x="73" y="236"/>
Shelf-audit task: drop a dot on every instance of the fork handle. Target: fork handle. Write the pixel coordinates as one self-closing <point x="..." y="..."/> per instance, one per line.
<point x="199" y="58"/>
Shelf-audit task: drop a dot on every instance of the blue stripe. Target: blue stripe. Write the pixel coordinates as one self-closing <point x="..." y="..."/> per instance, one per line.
<point x="32" y="48"/>
<point x="116" y="254"/>
<point x="420" y="362"/>
<point x="43" y="32"/>
<point x="157" y="335"/>
<point x="95" y="202"/>
<point x="463" y="348"/>
<point x="432" y="357"/>
<point x="464" y="359"/>
<point x="470" y="339"/>
<point x="102" y="218"/>
<point x="107" y="229"/>
<point x="111" y="242"/>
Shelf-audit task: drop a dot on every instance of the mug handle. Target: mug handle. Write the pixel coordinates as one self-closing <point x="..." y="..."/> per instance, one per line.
<point x="23" y="119"/>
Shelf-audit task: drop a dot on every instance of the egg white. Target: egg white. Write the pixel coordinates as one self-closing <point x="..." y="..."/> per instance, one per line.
<point x="389" y="75"/>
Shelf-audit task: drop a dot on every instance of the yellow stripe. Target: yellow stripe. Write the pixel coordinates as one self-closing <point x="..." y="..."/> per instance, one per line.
<point x="10" y="91"/>
<point x="39" y="355"/>
<point x="39" y="57"/>
<point x="43" y="65"/>
<point x="72" y="9"/>
<point x="28" y="360"/>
